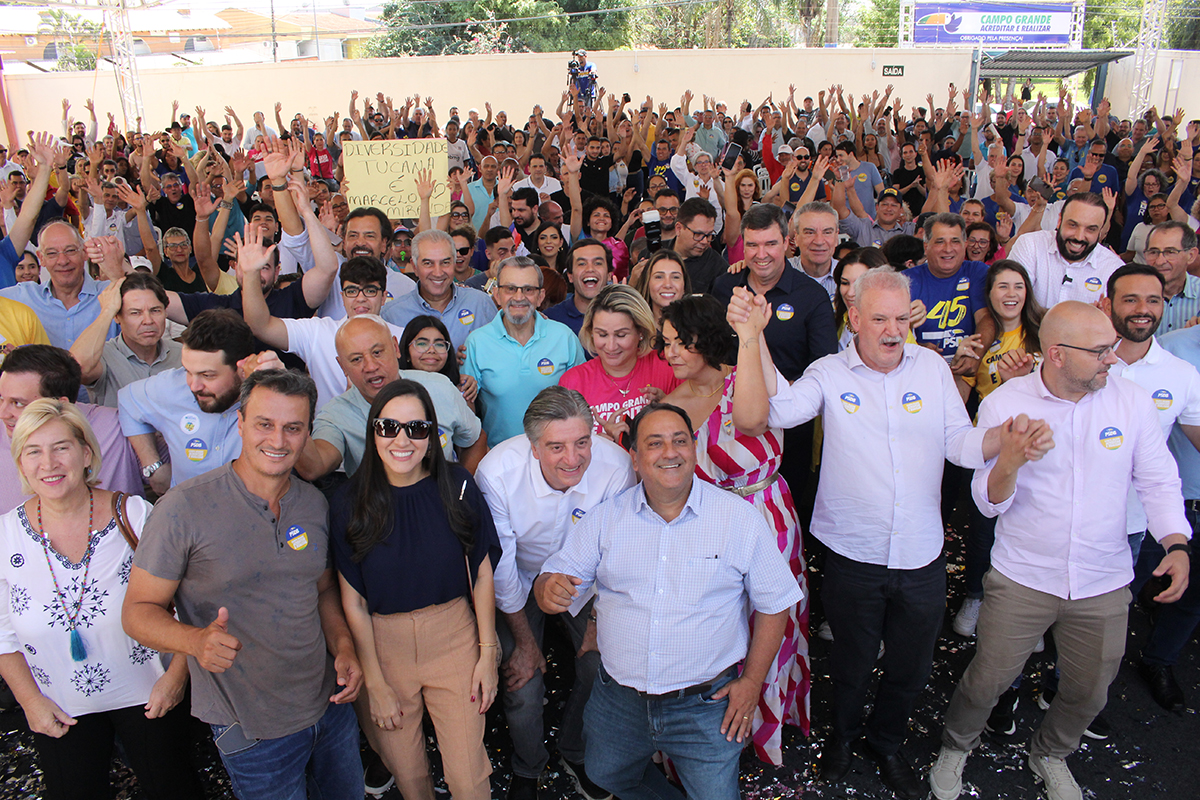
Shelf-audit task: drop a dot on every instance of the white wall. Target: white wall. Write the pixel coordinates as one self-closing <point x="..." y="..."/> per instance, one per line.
<point x="513" y="82"/>
<point x="1176" y="83"/>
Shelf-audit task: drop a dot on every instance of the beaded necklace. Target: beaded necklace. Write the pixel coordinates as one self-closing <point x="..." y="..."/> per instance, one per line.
<point x="78" y="651"/>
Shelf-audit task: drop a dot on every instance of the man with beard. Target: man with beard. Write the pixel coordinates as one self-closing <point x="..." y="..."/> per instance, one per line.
<point x="1061" y="553"/>
<point x="518" y="353"/>
<point x="1066" y="264"/>
<point x="194" y="407"/>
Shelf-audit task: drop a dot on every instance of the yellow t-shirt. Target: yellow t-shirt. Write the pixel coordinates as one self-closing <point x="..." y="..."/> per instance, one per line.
<point x="19" y="325"/>
<point x="987" y="378"/>
<point x="226" y="284"/>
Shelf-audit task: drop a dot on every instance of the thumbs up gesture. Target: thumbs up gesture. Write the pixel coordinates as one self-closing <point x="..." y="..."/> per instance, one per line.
<point x="216" y="647"/>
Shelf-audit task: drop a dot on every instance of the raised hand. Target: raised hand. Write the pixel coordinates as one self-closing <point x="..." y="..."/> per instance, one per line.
<point x="134" y="198"/>
<point x="425" y="183"/>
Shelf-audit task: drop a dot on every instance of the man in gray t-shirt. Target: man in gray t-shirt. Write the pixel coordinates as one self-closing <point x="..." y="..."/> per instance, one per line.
<point x="243" y="551"/>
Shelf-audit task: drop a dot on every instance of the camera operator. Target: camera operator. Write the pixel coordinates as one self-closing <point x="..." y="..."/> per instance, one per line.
<point x="582" y="73"/>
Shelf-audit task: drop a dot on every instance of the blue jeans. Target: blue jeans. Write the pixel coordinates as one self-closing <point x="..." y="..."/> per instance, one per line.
<point x="624" y="729"/>
<point x="320" y="762"/>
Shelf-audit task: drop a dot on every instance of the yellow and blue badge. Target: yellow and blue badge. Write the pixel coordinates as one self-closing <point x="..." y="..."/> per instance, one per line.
<point x="1162" y="399"/>
<point x="297" y="539"/>
<point x="1102" y="178"/>
<point x="795" y="187"/>
<point x="1111" y="438"/>
<point x="189" y="423"/>
<point x="862" y="177"/>
<point x="1093" y="284"/>
<point x="195" y="450"/>
<point x="850" y="402"/>
<point x="911" y="402"/>
<point x="963" y="284"/>
<point x="577" y="515"/>
<point x="466" y="316"/>
<point x="785" y="312"/>
<point x="546" y="366"/>
<point x="442" y="440"/>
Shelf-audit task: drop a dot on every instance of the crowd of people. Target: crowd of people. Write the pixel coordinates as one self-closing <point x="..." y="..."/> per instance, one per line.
<point x="334" y="470"/>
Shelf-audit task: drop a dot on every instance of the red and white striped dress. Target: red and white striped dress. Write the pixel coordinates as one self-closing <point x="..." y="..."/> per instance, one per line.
<point x="727" y="458"/>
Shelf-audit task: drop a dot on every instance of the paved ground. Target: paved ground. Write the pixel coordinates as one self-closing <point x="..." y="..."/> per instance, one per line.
<point x="1151" y="753"/>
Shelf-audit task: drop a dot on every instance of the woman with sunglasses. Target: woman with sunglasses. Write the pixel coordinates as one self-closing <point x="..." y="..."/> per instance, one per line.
<point x="426" y="346"/>
<point x="626" y="374"/>
<point x="701" y="348"/>
<point x="662" y="281"/>
<point x="464" y="248"/>
<point x="414" y="544"/>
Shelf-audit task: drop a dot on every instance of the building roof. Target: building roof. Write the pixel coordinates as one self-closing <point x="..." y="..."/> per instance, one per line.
<point x="333" y="23"/>
<point x="1045" y="63"/>
<point x="27" y="20"/>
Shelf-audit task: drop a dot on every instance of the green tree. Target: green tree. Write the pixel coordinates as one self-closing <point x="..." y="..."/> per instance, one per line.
<point x="74" y="36"/>
<point x="877" y="25"/>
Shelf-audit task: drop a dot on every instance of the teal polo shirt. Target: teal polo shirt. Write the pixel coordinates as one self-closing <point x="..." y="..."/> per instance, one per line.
<point x="510" y="375"/>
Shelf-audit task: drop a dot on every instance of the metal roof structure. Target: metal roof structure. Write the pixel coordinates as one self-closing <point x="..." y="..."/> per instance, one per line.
<point x="1045" y="63"/>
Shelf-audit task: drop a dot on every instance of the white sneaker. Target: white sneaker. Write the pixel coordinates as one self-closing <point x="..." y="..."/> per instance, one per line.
<point x="825" y="632"/>
<point x="945" y="776"/>
<point x="1060" y="783"/>
<point x="968" y="616"/>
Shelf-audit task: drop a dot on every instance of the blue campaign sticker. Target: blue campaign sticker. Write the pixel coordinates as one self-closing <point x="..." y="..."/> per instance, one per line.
<point x="189" y="423"/>
<point x="911" y="402"/>
<point x="785" y="312"/>
<point x="1093" y="284"/>
<point x="466" y="316"/>
<point x="850" y="402"/>
<point x="1111" y="438"/>
<point x="546" y="366"/>
<point x="196" y="450"/>
<point x="963" y="285"/>
<point x="1162" y="399"/>
<point x="577" y="515"/>
<point x="297" y="539"/>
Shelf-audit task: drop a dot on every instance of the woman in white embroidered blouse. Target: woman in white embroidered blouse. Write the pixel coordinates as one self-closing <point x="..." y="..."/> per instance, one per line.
<point x="79" y="678"/>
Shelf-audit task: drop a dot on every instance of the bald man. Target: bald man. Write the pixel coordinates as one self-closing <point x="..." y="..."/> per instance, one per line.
<point x="369" y="356"/>
<point x="1061" y="556"/>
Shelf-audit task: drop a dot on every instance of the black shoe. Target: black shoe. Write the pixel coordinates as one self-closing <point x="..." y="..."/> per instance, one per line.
<point x="898" y="776"/>
<point x="836" y="758"/>
<point x="376" y="776"/>
<point x="1003" y="720"/>
<point x="1098" y="728"/>
<point x="1163" y="687"/>
<point x="521" y="788"/>
<point x="583" y="783"/>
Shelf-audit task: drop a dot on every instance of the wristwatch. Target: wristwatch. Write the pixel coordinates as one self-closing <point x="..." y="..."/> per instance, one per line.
<point x="150" y="470"/>
<point x="225" y="204"/>
<point x="282" y="188"/>
<point x="1184" y="546"/>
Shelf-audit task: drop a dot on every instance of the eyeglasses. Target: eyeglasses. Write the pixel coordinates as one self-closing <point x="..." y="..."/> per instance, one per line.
<point x="1100" y="353"/>
<point x="1095" y="155"/>
<point x="416" y="429"/>
<point x="803" y="157"/>
<point x="423" y="345"/>
<point x="367" y="291"/>
<point x="459" y="215"/>
<point x="463" y="251"/>
<point x="69" y="252"/>
<point x="528" y="291"/>
<point x="706" y="235"/>
<point x="1169" y="252"/>
<point x="176" y="245"/>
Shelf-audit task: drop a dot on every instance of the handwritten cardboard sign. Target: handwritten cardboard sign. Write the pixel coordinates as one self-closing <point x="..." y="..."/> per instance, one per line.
<point x="383" y="174"/>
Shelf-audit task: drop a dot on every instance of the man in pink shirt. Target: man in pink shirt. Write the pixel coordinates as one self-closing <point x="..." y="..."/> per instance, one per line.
<point x="1061" y="556"/>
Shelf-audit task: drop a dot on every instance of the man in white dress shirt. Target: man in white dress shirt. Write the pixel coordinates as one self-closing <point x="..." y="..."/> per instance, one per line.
<point x="894" y="413"/>
<point x="1061" y="553"/>
<point x="1069" y="263"/>
<point x="539" y="486"/>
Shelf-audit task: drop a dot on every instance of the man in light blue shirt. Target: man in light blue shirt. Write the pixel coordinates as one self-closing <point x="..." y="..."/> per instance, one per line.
<point x="481" y="191"/>
<point x="518" y="353"/>
<point x="461" y="309"/>
<point x="69" y="302"/>
<point x="710" y="137"/>
<point x="194" y="408"/>
<point x="676" y="563"/>
<point x="1170" y="248"/>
